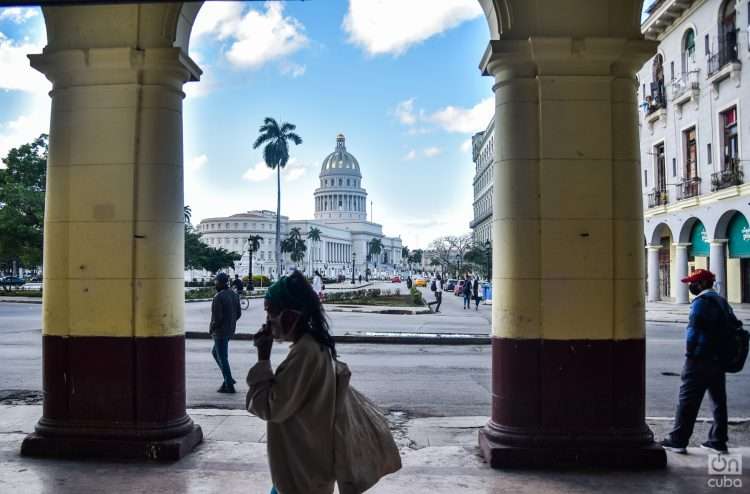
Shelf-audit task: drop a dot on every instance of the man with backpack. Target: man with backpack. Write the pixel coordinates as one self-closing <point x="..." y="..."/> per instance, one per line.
<point x="710" y="347"/>
<point x="436" y="287"/>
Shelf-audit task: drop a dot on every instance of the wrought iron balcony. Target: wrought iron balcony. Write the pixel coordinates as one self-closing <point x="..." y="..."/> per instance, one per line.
<point x="657" y="99"/>
<point x="689" y="187"/>
<point x="728" y="53"/>
<point x="686" y="82"/>
<point x="658" y="197"/>
<point x="730" y="176"/>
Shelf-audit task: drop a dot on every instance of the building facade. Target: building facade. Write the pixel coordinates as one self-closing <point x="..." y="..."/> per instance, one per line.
<point x="483" y="155"/>
<point x="694" y="140"/>
<point x="340" y="217"/>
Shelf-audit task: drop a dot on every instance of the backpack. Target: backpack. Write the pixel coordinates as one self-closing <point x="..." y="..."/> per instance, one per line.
<point x="433" y="286"/>
<point x="732" y="343"/>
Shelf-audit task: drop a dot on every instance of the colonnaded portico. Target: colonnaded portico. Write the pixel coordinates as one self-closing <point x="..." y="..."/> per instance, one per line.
<point x="568" y="313"/>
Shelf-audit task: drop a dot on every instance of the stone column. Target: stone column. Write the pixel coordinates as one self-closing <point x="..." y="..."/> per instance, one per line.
<point x="681" y="289"/>
<point x="653" y="273"/>
<point x="718" y="260"/>
<point x="568" y="322"/>
<point x="113" y="307"/>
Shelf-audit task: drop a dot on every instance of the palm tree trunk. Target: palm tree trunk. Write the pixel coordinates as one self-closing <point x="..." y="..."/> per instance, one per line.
<point x="278" y="221"/>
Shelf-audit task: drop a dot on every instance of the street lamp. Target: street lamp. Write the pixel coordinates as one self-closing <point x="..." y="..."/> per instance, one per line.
<point x="354" y="260"/>
<point x="488" y="248"/>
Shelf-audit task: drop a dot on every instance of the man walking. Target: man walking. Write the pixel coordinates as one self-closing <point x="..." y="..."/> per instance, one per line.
<point x="703" y="369"/>
<point x="237" y="284"/>
<point x="475" y="292"/>
<point x="467" y="292"/>
<point x="436" y="286"/>
<point x="225" y="310"/>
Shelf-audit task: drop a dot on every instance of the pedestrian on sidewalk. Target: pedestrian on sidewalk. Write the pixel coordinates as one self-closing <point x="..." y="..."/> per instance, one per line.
<point x="408" y="283"/>
<point x="225" y="311"/>
<point x="466" y="291"/>
<point x="298" y="400"/>
<point x="475" y="292"/>
<point x="436" y="287"/>
<point x="703" y="371"/>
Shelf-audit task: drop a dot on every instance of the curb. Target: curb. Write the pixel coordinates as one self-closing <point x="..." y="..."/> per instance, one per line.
<point x="402" y="312"/>
<point x="388" y="339"/>
<point x="9" y="301"/>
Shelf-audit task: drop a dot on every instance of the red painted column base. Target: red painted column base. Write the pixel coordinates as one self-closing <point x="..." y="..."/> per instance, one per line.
<point x="115" y="398"/>
<point x="569" y="403"/>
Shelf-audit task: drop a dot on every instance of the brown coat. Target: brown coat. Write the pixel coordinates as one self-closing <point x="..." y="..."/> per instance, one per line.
<point x="298" y="402"/>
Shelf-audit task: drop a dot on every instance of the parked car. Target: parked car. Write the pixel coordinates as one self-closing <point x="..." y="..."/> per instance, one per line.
<point x="420" y="282"/>
<point x="396" y="279"/>
<point x="459" y="289"/>
<point x="449" y="285"/>
<point x="12" y="281"/>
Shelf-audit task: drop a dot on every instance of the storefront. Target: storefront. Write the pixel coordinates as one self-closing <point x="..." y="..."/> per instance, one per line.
<point x="738" y="262"/>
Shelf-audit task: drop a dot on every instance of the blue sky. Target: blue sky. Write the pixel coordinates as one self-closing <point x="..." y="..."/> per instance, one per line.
<point x="403" y="87"/>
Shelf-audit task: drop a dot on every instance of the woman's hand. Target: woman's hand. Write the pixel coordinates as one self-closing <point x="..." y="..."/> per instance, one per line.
<point x="263" y="341"/>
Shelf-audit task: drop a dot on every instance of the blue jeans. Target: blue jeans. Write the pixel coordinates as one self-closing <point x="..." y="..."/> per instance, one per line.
<point x="467" y="300"/>
<point x="274" y="491"/>
<point x="221" y="356"/>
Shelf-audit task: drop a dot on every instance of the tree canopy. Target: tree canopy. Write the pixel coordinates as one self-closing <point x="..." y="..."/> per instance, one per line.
<point x="22" y="188"/>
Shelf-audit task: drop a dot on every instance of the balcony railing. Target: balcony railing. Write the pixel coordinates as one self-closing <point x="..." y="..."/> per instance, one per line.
<point x="730" y="176"/>
<point x="686" y="82"/>
<point x="728" y="53"/>
<point x="689" y="187"/>
<point x="657" y="99"/>
<point x="658" y="198"/>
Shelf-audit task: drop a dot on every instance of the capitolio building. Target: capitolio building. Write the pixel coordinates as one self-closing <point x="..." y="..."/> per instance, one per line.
<point x="340" y="216"/>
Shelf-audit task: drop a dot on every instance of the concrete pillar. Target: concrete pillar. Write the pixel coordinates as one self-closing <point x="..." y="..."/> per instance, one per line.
<point x="719" y="264"/>
<point x="653" y="273"/>
<point x="113" y="307"/>
<point x="681" y="261"/>
<point x="568" y="321"/>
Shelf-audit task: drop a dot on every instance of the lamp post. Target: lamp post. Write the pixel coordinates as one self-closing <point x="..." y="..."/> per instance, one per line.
<point x="354" y="261"/>
<point x="488" y="248"/>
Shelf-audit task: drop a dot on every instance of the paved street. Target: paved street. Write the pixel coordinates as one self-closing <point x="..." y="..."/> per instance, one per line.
<point x="424" y="380"/>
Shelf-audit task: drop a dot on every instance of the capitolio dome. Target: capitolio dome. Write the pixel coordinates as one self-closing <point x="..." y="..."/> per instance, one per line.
<point x="340" y="162"/>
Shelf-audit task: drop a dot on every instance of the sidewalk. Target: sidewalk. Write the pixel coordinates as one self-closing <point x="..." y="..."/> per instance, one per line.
<point x="667" y="312"/>
<point x="439" y="456"/>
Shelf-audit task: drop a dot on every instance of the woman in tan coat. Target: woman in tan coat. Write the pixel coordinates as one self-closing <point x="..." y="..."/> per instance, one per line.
<point x="298" y="400"/>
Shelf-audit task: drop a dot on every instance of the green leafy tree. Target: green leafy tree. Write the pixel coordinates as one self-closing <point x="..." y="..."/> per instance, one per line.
<point x="217" y="259"/>
<point x="374" y="248"/>
<point x="276" y="155"/>
<point x="195" y="250"/>
<point x="294" y="245"/>
<point x="405" y="255"/>
<point x="22" y="188"/>
<point x="187" y="214"/>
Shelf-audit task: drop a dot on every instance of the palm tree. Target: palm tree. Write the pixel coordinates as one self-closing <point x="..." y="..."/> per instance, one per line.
<point x="404" y="255"/>
<point x="294" y="245"/>
<point x="313" y="236"/>
<point x="253" y="244"/>
<point x="276" y="155"/>
<point x="187" y="214"/>
<point x="375" y="247"/>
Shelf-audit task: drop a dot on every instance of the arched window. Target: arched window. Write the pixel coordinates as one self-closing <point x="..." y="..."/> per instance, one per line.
<point x="688" y="51"/>
<point x="728" y="49"/>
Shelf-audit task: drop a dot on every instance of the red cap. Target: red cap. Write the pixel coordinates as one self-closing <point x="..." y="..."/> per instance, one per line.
<point x="699" y="275"/>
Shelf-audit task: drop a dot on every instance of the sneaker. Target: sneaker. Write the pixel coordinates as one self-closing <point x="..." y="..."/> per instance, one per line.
<point x="227" y="389"/>
<point x="669" y="445"/>
<point x="715" y="446"/>
<point x="222" y="388"/>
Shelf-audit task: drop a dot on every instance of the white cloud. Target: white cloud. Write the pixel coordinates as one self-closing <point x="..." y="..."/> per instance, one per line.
<point x="292" y="69"/>
<point x="392" y="26"/>
<point x="404" y="111"/>
<point x="196" y="163"/>
<point x="27" y="127"/>
<point x="412" y="154"/>
<point x="432" y="151"/>
<point x="258" y="173"/>
<point x="294" y="170"/>
<point x="18" y="15"/>
<point x="256" y="37"/>
<point x="465" y="120"/>
<point x="466" y="146"/>
<point x="16" y="73"/>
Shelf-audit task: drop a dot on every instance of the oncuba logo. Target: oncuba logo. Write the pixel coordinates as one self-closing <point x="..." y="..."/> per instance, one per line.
<point x="726" y="470"/>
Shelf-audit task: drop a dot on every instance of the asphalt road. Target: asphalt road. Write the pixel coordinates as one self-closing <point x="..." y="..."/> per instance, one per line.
<point x="422" y="380"/>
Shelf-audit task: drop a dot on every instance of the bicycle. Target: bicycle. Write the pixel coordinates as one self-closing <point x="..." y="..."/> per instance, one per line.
<point x="244" y="301"/>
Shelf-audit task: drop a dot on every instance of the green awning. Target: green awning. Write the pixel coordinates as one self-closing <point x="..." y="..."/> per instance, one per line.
<point x="738" y="235"/>
<point x="699" y="241"/>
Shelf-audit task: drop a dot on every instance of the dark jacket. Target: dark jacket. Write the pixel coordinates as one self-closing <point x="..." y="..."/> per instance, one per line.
<point x="707" y="314"/>
<point x="475" y="288"/>
<point x="467" y="287"/>
<point x="225" y="310"/>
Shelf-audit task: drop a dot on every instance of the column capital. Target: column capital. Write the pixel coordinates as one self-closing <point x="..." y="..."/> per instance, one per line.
<point x="96" y="66"/>
<point x="540" y="55"/>
<point x="718" y="241"/>
<point x="653" y="248"/>
<point x="682" y="245"/>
